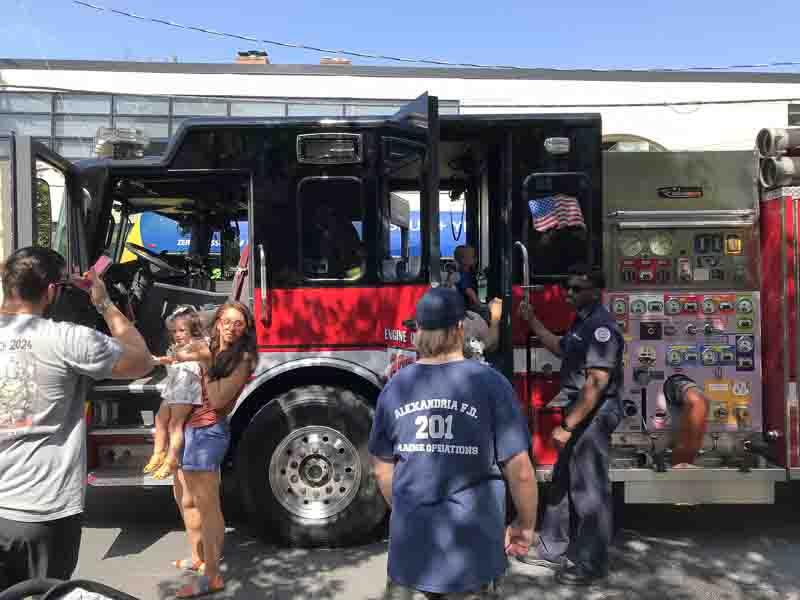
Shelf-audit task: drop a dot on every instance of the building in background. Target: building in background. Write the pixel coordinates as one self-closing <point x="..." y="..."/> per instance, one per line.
<point x="63" y="103"/>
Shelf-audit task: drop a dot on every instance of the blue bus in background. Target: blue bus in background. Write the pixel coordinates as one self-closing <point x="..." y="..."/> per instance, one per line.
<point x="159" y="234"/>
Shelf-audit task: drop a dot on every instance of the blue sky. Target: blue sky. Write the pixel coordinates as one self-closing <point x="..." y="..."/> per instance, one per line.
<point x="574" y="34"/>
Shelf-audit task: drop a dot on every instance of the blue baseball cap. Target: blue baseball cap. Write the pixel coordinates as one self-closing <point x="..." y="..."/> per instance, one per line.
<point x="440" y="308"/>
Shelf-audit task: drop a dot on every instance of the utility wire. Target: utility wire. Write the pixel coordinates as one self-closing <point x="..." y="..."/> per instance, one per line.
<point x="428" y="61"/>
<point x="62" y="90"/>
<point x="634" y="104"/>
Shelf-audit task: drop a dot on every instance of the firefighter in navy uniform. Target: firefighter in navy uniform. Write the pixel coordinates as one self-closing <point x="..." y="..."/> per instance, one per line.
<point x="577" y="522"/>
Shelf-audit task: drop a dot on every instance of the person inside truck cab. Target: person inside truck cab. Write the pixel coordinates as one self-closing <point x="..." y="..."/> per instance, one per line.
<point x="467" y="283"/>
<point x="332" y="245"/>
<point x="45" y="368"/>
<point x="578" y="511"/>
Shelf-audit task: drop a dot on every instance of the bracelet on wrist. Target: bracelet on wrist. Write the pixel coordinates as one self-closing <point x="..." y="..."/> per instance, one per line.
<point x="104" y="305"/>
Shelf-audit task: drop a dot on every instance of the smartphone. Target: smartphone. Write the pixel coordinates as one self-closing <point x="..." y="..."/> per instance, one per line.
<point x="81" y="283"/>
<point x="101" y="265"/>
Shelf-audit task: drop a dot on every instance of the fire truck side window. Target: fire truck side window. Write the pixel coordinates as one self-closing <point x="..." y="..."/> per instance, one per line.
<point x="400" y="239"/>
<point x="556" y="224"/>
<point x="51" y="208"/>
<point x="401" y="253"/>
<point x="332" y="218"/>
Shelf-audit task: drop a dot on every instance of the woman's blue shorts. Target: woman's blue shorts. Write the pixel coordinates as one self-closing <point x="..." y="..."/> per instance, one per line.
<point x="204" y="448"/>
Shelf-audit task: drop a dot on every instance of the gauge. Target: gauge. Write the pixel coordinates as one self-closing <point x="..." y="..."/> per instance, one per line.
<point x="673" y="306"/>
<point x="630" y="244"/>
<point x="674" y="357"/>
<point x="661" y="244"/>
<point x="745" y="305"/>
<point x="638" y="307"/>
<point x="744" y="345"/>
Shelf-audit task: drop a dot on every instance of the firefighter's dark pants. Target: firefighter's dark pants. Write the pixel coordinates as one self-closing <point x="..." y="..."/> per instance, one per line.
<point x="577" y="520"/>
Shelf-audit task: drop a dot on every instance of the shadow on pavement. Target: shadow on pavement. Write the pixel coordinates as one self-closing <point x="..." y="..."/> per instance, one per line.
<point x="663" y="552"/>
<point x="687" y="553"/>
<point x="254" y="570"/>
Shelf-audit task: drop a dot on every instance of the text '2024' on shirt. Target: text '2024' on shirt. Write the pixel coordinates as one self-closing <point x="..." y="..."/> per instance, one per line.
<point x="448" y="428"/>
<point x="44" y="373"/>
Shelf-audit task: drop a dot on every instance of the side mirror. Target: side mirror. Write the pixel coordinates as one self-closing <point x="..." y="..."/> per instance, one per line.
<point x="42" y="214"/>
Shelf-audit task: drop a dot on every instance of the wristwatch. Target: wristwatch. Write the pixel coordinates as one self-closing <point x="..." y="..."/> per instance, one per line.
<point x="566" y="427"/>
<point x="103" y="306"/>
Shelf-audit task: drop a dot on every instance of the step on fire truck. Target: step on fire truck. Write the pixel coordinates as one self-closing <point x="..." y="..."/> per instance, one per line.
<point x="332" y="276"/>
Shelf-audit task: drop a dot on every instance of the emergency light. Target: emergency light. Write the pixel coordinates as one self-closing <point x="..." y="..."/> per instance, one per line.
<point x="120" y="142"/>
<point x="329" y="148"/>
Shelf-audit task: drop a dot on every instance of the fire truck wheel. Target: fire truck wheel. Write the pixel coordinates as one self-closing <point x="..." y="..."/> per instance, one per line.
<point x="304" y="472"/>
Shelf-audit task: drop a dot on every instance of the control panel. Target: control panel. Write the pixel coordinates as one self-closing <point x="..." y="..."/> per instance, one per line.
<point x="663" y="258"/>
<point x="710" y="336"/>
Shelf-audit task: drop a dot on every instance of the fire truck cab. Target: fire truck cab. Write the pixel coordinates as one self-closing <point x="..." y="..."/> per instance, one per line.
<point x="332" y="277"/>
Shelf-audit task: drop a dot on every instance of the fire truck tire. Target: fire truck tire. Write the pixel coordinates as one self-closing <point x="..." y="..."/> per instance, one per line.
<point x="304" y="472"/>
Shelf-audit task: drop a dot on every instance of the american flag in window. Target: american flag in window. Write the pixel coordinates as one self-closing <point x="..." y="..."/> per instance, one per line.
<point x="556" y="212"/>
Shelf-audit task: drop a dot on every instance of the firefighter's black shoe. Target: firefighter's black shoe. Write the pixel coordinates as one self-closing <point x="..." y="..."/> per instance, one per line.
<point x="535" y="559"/>
<point x="576" y="576"/>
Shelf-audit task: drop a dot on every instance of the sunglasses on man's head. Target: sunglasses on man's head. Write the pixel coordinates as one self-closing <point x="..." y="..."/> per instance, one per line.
<point x="79" y="283"/>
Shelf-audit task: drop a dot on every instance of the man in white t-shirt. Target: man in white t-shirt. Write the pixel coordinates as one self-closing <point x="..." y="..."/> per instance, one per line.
<point x="45" y="367"/>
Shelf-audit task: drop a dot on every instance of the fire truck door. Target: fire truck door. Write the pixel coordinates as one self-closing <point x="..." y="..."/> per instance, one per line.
<point x="38" y="189"/>
<point x="418" y="121"/>
<point x="341" y="292"/>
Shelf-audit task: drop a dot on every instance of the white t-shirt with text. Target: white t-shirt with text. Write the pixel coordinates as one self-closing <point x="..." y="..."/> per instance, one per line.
<point x="45" y="369"/>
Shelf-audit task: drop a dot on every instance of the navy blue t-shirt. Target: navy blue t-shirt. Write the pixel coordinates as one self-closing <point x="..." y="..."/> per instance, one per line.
<point x="467" y="280"/>
<point x="448" y="428"/>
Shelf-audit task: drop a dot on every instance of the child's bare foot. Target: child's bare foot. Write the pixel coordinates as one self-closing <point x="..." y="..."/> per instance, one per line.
<point x="155" y="462"/>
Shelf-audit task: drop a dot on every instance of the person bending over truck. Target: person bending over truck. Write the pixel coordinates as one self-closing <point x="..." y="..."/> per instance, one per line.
<point x="45" y="367"/>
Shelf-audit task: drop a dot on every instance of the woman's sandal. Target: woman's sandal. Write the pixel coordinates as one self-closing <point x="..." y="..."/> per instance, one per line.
<point x="154" y="462"/>
<point x="187" y="564"/>
<point x="201" y="586"/>
<point x="167" y="469"/>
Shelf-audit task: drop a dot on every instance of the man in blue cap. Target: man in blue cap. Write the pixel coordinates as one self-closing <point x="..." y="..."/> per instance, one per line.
<point x="446" y="431"/>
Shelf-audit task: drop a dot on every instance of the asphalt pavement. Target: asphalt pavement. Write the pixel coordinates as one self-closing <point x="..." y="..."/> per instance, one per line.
<point x="676" y="552"/>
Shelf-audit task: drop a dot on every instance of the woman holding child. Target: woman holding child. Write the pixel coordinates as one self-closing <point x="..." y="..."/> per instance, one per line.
<point x="226" y="365"/>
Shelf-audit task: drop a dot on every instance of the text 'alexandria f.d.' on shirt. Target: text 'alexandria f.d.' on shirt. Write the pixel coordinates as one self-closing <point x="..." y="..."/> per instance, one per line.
<point x="448" y="428"/>
<point x="44" y="368"/>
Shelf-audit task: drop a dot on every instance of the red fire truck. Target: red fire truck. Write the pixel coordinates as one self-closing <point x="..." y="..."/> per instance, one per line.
<point x="333" y="292"/>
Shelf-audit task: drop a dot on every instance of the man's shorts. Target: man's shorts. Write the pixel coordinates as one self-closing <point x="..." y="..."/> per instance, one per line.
<point x="47" y="549"/>
<point x="395" y="591"/>
<point x="204" y="448"/>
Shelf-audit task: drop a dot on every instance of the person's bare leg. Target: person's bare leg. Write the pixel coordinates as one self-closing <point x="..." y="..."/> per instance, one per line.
<point x="160" y="439"/>
<point x="190" y="515"/>
<point x="204" y="486"/>
<point x="178" y="413"/>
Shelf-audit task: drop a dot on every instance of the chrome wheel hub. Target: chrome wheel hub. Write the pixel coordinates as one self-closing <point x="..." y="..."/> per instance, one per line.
<point x="315" y="472"/>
